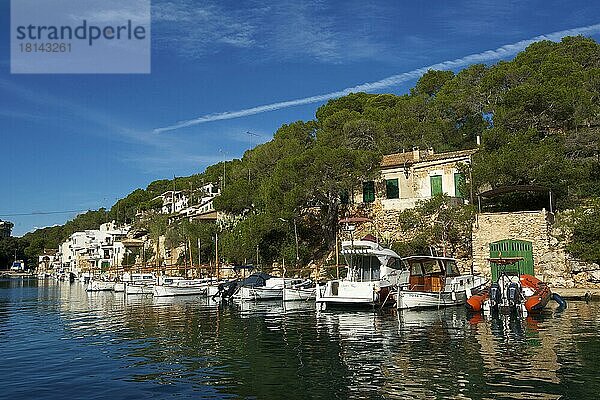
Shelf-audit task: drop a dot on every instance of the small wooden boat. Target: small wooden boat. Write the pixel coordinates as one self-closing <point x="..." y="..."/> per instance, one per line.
<point x="434" y="282"/>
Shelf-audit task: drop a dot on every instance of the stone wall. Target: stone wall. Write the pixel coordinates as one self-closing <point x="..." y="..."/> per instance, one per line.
<point x="551" y="263"/>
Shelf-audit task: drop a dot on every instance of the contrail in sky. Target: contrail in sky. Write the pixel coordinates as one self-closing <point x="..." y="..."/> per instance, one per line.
<point x="394" y="80"/>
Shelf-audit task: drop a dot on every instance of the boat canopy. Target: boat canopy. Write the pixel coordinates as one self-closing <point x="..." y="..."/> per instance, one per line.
<point x="256" y="279"/>
<point x="430" y="265"/>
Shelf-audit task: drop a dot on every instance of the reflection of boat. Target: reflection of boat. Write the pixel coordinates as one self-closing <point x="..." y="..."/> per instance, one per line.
<point x="435" y="282"/>
<point x="513" y="291"/>
<point x="372" y="272"/>
<point x="179" y="286"/>
<point x="451" y="320"/>
<point x="179" y="300"/>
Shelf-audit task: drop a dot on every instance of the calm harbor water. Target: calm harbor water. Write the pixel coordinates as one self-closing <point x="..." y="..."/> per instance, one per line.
<point x="57" y="341"/>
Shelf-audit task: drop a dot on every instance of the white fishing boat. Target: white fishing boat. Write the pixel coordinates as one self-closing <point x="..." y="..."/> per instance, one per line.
<point x="139" y="283"/>
<point x="303" y="291"/>
<point x="179" y="286"/>
<point x="372" y="272"/>
<point x="99" y="285"/>
<point x="271" y="290"/>
<point x="434" y="282"/>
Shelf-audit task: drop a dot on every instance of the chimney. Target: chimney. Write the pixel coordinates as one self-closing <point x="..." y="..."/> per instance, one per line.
<point x="416" y="154"/>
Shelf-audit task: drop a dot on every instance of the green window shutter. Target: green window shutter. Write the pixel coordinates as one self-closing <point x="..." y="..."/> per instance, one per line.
<point x="436" y="184"/>
<point x="391" y="189"/>
<point x="459" y="184"/>
<point x="368" y="192"/>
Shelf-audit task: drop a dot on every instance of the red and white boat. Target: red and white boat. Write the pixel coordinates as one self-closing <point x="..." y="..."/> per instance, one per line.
<point x="513" y="291"/>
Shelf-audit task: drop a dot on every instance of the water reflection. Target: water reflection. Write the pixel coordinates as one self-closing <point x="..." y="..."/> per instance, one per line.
<point x="194" y="348"/>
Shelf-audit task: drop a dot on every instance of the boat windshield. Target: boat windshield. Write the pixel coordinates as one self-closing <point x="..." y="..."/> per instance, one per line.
<point x="363" y="268"/>
<point x="433" y="267"/>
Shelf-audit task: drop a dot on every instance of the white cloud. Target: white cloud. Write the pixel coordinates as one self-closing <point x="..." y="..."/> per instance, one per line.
<point x="394" y="80"/>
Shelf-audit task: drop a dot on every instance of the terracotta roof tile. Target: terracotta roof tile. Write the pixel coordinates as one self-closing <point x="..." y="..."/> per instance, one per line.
<point x="398" y="159"/>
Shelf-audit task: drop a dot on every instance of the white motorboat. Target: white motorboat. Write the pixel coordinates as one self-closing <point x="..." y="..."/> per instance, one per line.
<point x="434" y="282"/>
<point x="271" y="290"/>
<point x="372" y="274"/>
<point x="98" y="285"/>
<point x="179" y="286"/>
<point x="303" y="291"/>
<point x="139" y="283"/>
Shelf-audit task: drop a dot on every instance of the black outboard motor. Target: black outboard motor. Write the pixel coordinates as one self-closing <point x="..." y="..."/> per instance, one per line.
<point x="495" y="295"/>
<point x="226" y="290"/>
<point x="513" y="294"/>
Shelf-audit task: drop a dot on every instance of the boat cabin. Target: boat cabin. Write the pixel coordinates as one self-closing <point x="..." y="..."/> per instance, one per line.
<point x="428" y="273"/>
<point x="364" y="266"/>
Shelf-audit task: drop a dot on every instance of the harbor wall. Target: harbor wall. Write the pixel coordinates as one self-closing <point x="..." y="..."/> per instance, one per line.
<point x="551" y="262"/>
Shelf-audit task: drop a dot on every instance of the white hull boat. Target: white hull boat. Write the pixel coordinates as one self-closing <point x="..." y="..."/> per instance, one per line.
<point x="99" y="286"/>
<point x="181" y="287"/>
<point x="372" y="271"/>
<point x="137" y="283"/>
<point x="435" y="282"/>
<point x="415" y="300"/>
<point x="299" y="294"/>
<point x="139" y="288"/>
<point x="260" y="293"/>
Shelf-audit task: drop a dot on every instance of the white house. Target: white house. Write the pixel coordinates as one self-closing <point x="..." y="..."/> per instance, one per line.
<point x="94" y="249"/>
<point x="173" y="201"/>
<point x="409" y="177"/>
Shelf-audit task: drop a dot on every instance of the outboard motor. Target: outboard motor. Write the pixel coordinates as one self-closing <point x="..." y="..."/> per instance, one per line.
<point x="226" y="290"/>
<point x="495" y="295"/>
<point x="513" y="294"/>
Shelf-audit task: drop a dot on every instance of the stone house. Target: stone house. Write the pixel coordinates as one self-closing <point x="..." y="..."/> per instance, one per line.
<point x="407" y="178"/>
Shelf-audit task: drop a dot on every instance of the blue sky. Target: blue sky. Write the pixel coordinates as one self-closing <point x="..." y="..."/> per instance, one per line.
<point x="75" y="142"/>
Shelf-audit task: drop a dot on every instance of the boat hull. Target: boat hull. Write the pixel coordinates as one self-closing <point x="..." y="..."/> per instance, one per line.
<point x="299" y="294"/>
<point x="136" y="288"/>
<point x="168" y="290"/>
<point x="260" y="293"/>
<point x="100" y="286"/>
<point x="347" y="294"/>
<point x="418" y="300"/>
<point x="534" y="293"/>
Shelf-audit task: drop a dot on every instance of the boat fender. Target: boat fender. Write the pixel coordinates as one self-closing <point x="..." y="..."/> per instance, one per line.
<point x="561" y="302"/>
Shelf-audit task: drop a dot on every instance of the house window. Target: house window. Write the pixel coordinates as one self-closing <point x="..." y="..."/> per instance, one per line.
<point x="391" y="189"/>
<point x="436" y="184"/>
<point x="368" y="192"/>
<point x="459" y="185"/>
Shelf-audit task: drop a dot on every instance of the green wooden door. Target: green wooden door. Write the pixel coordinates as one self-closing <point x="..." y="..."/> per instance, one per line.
<point x="512" y="248"/>
<point x="459" y="182"/>
<point x="436" y="184"/>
